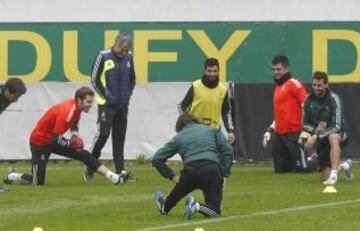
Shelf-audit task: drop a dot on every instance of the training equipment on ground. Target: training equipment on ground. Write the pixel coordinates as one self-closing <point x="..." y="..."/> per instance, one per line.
<point x="199" y="229"/>
<point x="38" y="229"/>
<point x="76" y="143"/>
<point x="329" y="189"/>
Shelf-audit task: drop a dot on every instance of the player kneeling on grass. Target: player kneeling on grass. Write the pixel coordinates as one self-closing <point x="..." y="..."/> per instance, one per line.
<point x="323" y="118"/>
<point x="207" y="157"/>
<point x="47" y="138"/>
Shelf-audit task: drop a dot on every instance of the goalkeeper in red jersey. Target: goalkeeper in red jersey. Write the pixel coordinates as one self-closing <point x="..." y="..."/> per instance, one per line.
<point x="47" y="137"/>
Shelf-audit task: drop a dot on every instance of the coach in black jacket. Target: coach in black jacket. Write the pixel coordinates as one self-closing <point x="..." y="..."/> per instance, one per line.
<point x="113" y="78"/>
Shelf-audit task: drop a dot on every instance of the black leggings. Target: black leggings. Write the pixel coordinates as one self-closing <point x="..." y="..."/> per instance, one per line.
<point x="40" y="157"/>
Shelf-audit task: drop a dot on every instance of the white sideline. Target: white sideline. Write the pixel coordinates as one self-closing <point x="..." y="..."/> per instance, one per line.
<point x="285" y="210"/>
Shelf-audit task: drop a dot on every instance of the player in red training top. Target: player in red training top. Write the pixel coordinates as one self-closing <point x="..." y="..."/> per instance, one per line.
<point x="47" y="137"/>
<point x="289" y="95"/>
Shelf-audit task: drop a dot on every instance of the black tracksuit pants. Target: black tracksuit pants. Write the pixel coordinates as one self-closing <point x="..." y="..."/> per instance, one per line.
<point x="114" y="120"/>
<point x="203" y="175"/>
<point x="40" y="157"/>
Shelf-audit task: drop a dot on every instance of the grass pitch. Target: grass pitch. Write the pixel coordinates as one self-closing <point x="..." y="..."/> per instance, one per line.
<point x="254" y="199"/>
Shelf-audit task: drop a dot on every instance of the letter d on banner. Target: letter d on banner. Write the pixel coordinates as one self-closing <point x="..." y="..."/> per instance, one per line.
<point x="320" y="52"/>
<point x="42" y="51"/>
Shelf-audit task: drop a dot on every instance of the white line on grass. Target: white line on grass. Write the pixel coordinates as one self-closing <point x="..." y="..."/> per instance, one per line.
<point x="234" y="217"/>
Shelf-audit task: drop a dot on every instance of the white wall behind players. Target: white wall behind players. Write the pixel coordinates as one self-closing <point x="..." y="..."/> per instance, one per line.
<point x="178" y="10"/>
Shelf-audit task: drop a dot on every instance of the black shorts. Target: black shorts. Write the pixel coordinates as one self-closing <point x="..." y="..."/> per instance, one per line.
<point x="323" y="150"/>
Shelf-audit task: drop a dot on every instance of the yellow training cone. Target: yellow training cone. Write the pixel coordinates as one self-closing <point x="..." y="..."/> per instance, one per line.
<point x="329" y="189"/>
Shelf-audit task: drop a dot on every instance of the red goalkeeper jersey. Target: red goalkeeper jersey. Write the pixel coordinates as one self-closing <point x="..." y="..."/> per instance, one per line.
<point x="57" y="120"/>
<point x="288" y="99"/>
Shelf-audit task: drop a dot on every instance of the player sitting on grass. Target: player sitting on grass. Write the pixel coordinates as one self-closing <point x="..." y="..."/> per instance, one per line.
<point x="207" y="157"/>
<point x="47" y="138"/>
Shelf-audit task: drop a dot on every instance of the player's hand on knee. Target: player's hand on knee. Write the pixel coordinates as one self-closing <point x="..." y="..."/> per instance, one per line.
<point x="76" y="143"/>
<point x="310" y="143"/>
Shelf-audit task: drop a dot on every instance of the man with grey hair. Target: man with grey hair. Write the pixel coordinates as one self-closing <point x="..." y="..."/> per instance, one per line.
<point x="113" y="79"/>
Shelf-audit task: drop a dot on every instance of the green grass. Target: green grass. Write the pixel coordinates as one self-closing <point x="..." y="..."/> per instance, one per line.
<point x="66" y="202"/>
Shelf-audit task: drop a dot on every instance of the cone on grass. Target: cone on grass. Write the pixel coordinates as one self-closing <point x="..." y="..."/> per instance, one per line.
<point x="329" y="189"/>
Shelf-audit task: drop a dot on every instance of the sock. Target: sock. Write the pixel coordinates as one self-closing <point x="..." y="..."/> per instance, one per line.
<point x="197" y="206"/>
<point x="333" y="172"/>
<point x="14" y="176"/>
<point x="114" y="178"/>
<point x="208" y="212"/>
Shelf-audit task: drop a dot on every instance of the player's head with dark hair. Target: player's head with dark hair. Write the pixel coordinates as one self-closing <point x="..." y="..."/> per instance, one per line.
<point x="280" y="66"/>
<point x="14" y="88"/>
<point x="284" y="60"/>
<point x="211" y="72"/>
<point x="123" y="43"/>
<point x="210" y="62"/>
<point x="82" y="92"/>
<point x="84" y="98"/>
<point x="319" y="83"/>
<point x="184" y="120"/>
<point x="319" y="75"/>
